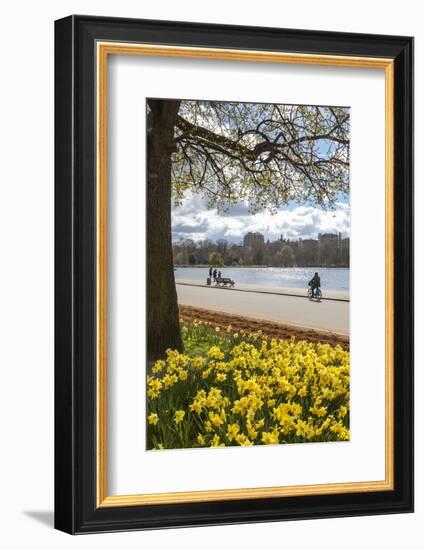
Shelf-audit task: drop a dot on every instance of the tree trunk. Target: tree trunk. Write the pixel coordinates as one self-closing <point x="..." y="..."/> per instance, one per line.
<point x="163" y="328"/>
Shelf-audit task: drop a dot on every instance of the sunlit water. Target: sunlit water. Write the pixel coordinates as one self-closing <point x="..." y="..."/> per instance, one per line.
<point x="292" y="277"/>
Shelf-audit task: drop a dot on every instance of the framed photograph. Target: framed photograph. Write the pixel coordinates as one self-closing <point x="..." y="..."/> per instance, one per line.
<point x="234" y="287"/>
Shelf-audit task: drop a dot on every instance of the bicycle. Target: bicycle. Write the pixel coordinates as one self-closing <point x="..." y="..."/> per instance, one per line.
<point x="317" y="294"/>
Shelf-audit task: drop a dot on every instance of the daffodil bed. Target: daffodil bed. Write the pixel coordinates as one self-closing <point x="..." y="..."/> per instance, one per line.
<point x="237" y="388"/>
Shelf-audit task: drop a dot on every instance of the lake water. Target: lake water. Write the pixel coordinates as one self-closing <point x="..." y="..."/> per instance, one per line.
<point x="291" y="277"/>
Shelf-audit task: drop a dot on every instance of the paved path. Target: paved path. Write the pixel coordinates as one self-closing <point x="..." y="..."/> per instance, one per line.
<point x="331" y="315"/>
<point x="337" y="295"/>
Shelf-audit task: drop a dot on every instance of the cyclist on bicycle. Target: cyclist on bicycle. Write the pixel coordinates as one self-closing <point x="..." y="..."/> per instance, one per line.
<point x="315" y="283"/>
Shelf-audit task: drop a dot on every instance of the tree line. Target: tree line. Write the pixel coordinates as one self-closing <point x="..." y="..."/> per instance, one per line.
<point x="279" y="253"/>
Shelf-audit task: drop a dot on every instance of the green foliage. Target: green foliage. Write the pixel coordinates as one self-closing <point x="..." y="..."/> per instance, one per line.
<point x="264" y="154"/>
<point x="216" y="259"/>
<point x="285" y="256"/>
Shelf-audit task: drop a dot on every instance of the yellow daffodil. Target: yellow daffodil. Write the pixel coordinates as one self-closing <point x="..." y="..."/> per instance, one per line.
<point x="296" y="391"/>
<point x="216" y="442"/>
<point x="179" y="415"/>
<point x="216" y="419"/>
<point x="270" y="438"/>
<point x="153" y="418"/>
<point x="243" y="440"/>
<point x="318" y="411"/>
<point x="232" y="431"/>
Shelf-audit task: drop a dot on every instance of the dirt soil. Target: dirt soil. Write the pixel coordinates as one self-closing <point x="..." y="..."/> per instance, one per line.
<point x="269" y="328"/>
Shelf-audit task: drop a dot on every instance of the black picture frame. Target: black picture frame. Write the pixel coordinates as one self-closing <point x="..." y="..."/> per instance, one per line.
<point x="76" y="510"/>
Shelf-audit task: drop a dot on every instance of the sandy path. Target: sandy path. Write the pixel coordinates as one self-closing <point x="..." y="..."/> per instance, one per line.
<point x="270" y="329"/>
<point x="292" y="310"/>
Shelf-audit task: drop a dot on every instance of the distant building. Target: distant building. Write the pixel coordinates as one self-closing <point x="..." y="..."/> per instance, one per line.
<point x="308" y="243"/>
<point x="253" y="239"/>
<point x="330" y="237"/>
<point x="308" y="252"/>
<point x="330" y="248"/>
<point x="345" y="243"/>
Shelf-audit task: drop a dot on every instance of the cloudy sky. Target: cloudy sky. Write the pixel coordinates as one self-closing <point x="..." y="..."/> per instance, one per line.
<point x="193" y="220"/>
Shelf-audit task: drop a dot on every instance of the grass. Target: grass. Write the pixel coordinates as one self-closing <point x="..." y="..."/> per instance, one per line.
<point x="199" y="337"/>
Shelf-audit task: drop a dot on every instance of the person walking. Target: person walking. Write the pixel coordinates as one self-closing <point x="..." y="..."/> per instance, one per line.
<point x="315" y="283"/>
<point x="214" y="275"/>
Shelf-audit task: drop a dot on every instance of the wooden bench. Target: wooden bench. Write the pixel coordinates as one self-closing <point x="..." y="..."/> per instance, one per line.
<point x="224" y="281"/>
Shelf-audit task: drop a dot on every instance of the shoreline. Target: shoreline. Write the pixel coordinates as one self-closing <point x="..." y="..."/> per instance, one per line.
<point x="207" y="266"/>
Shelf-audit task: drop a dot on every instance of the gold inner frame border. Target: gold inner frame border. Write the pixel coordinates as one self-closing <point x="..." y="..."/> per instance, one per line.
<point x="103" y="50"/>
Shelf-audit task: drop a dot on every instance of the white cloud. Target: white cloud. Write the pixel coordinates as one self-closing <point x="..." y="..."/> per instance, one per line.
<point x="194" y="221"/>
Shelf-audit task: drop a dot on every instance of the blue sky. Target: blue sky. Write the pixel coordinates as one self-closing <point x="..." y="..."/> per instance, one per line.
<point x="193" y="220"/>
